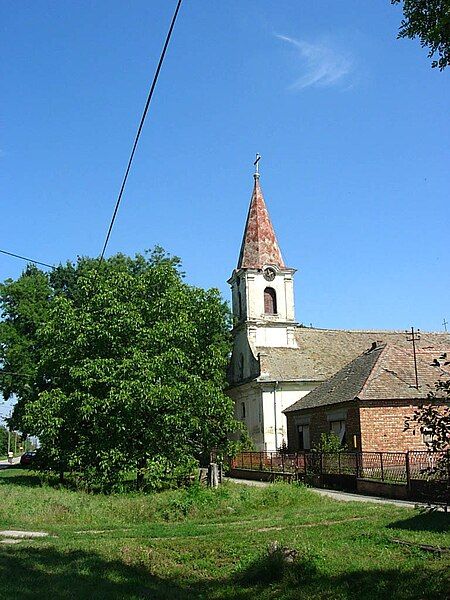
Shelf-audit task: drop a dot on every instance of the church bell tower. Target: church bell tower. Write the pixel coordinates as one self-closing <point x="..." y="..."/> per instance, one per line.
<point x="262" y="286"/>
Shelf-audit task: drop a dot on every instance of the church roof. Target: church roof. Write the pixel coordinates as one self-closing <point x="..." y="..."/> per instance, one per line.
<point x="259" y="244"/>
<point x="322" y="352"/>
<point x="383" y="372"/>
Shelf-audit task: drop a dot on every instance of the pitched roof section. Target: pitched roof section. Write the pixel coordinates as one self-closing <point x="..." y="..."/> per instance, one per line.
<point x="383" y="373"/>
<point x="394" y="376"/>
<point x="344" y="386"/>
<point x="322" y="352"/>
<point x="259" y="244"/>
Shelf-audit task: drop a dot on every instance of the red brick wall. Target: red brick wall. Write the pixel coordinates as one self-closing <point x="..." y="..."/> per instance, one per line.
<point x="382" y="424"/>
<point x="319" y="424"/>
<point x="378" y="425"/>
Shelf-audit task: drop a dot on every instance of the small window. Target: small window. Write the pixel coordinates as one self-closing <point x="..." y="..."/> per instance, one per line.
<point x="241" y="366"/>
<point x="338" y="428"/>
<point x="303" y="437"/>
<point x="270" y="301"/>
<point x="243" y="410"/>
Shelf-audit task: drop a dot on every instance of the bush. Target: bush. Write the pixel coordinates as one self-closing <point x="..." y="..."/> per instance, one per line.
<point x="329" y="442"/>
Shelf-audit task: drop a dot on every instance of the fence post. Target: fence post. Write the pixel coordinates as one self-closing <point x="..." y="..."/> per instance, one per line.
<point x="305" y="464"/>
<point x="381" y="466"/>
<point x="251" y="461"/>
<point x="261" y="464"/>
<point x="408" y="474"/>
<point x="358" y="465"/>
<point x="282" y="462"/>
<point x="339" y="463"/>
<point x="271" y="462"/>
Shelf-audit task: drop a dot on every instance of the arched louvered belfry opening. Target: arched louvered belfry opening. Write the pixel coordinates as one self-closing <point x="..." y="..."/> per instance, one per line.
<point x="270" y="301"/>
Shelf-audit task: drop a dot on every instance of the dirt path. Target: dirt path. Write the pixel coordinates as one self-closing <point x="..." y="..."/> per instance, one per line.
<point x="336" y="495"/>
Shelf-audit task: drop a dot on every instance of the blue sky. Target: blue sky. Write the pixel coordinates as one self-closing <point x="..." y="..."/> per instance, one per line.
<point x="353" y="126"/>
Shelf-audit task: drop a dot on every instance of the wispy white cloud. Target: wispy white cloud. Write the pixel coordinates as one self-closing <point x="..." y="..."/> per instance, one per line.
<point x="321" y="64"/>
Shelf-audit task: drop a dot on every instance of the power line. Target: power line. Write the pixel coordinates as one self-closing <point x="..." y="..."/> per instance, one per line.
<point x="141" y="124"/>
<point x="36" y="262"/>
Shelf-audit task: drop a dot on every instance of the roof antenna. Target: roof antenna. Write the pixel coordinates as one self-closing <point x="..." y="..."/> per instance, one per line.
<point x="256" y="163"/>
<point x="415" y="337"/>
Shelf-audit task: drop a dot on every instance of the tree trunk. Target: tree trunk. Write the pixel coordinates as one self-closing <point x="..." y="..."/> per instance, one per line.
<point x="141" y="463"/>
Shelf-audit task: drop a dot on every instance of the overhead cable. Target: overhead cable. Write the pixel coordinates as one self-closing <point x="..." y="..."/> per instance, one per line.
<point x="141" y="124"/>
<point x="30" y="260"/>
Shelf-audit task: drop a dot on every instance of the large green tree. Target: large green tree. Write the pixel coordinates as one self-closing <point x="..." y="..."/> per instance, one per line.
<point x="24" y="305"/>
<point x="429" y="20"/>
<point x="129" y="370"/>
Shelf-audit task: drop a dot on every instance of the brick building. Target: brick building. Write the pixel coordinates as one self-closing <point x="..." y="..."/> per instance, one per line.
<point x="366" y="402"/>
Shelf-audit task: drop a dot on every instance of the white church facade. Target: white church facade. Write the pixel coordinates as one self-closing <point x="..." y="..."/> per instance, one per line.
<point x="275" y="361"/>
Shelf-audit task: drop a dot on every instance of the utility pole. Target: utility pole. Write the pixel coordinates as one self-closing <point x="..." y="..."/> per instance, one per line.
<point x="9" y="432"/>
<point x="415" y="337"/>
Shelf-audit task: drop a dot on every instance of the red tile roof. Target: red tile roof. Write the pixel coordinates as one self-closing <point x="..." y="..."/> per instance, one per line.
<point x="384" y="372"/>
<point x="259" y="244"/>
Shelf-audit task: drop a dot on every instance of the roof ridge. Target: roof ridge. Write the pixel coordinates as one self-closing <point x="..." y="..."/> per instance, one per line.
<point x="399" y="331"/>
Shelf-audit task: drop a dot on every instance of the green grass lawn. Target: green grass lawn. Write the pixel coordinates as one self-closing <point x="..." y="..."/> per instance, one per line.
<point x="201" y="543"/>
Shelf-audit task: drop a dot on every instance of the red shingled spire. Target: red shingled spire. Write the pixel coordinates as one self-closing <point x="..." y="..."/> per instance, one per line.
<point x="259" y="245"/>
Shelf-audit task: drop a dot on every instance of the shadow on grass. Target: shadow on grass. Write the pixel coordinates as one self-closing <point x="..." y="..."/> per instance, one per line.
<point x="304" y="579"/>
<point x="28" y="477"/>
<point x="51" y="574"/>
<point x="20" y="476"/>
<point x="47" y="573"/>
<point x="425" y="521"/>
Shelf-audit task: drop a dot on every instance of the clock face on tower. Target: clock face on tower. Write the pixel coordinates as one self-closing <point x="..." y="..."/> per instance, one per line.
<point x="269" y="274"/>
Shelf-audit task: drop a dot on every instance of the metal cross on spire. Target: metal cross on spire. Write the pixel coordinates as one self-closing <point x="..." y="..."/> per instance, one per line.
<point x="256" y="163"/>
<point x="445" y="323"/>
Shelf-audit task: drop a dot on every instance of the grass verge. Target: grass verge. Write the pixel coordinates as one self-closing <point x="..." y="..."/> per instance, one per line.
<point x="212" y="544"/>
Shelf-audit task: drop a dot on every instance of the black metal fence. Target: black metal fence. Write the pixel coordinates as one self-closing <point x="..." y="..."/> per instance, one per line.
<point x="389" y="467"/>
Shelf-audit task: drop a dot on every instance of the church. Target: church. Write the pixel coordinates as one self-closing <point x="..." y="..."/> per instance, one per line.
<point x="275" y="361"/>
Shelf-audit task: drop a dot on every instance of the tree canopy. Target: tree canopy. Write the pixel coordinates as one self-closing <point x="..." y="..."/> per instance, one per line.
<point x="429" y="20"/>
<point x="122" y="366"/>
<point x="3" y="440"/>
<point x="432" y="420"/>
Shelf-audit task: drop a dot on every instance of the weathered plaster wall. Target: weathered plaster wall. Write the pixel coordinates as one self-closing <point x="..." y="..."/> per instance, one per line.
<point x="249" y="394"/>
<point x="275" y="399"/>
<point x="251" y="285"/>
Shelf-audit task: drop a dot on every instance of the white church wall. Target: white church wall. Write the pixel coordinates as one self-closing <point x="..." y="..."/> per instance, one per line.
<point x="275" y="337"/>
<point x="248" y="408"/>
<point x="274" y="400"/>
<point x="244" y="363"/>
